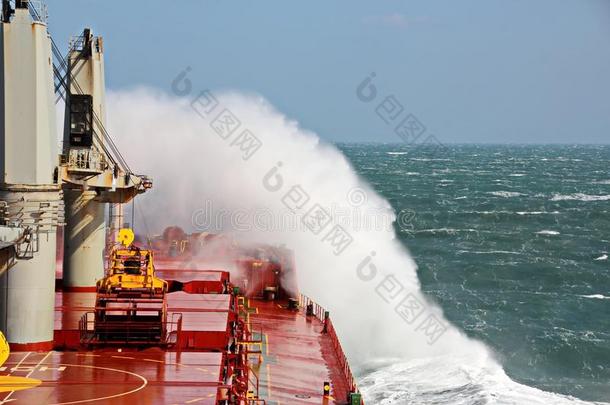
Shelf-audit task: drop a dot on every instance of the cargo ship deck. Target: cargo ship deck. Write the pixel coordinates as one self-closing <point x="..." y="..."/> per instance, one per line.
<point x="291" y="354"/>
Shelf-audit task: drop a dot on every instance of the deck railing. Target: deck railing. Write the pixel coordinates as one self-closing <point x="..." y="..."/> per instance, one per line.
<point x="129" y="331"/>
<point x="323" y="315"/>
<point x="38" y="11"/>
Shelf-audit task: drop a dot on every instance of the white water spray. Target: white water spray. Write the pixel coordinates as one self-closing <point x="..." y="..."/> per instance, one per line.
<point x="206" y="179"/>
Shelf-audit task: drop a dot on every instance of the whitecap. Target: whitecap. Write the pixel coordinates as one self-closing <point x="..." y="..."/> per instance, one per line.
<point x="602" y="257"/>
<point x="536" y="212"/>
<point x="489" y="252"/>
<point x="397" y="153"/>
<point x="580" y="197"/>
<point x="430" y="160"/>
<point x="505" y="194"/>
<point x="449" y="231"/>
<point x="448" y="380"/>
<point x="546" y="232"/>
<point x="596" y="297"/>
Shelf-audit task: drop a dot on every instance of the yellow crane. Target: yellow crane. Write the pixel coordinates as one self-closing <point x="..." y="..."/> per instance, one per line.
<point x="130" y="306"/>
<point x="131" y="270"/>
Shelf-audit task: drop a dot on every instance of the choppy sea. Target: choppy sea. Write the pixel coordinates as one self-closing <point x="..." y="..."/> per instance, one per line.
<point x="513" y="242"/>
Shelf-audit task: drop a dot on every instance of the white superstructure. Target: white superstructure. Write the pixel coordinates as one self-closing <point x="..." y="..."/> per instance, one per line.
<point x="28" y="158"/>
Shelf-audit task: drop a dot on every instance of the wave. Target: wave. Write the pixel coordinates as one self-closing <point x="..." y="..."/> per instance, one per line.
<point x="453" y="381"/>
<point x="430" y="160"/>
<point x="490" y="252"/>
<point x="547" y="232"/>
<point x="506" y="194"/>
<point x="536" y="212"/>
<point x="604" y="182"/>
<point x="180" y="135"/>
<point x="397" y="153"/>
<point x="449" y="231"/>
<point x="596" y="296"/>
<point x="580" y="197"/>
<point x="561" y="159"/>
<point x="509" y="212"/>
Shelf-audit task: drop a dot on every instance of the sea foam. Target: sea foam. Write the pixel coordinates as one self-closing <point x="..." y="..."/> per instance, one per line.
<point x="580" y="197"/>
<point x="547" y="232"/>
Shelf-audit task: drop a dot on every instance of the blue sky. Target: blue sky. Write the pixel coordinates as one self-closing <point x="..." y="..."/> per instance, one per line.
<point x="471" y="71"/>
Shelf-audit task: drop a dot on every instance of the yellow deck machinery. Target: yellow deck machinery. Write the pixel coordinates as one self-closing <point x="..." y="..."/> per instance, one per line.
<point x="130" y="306"/>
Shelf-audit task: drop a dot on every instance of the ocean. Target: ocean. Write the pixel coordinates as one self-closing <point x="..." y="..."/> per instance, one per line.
<point x="513" y="243"/>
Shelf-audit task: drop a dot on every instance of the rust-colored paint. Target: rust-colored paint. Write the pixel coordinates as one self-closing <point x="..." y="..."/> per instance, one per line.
<point x="31" y="347"/>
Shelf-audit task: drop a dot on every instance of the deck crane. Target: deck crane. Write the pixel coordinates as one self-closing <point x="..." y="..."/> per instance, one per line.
<point x="130" y="306"/>
<point x="92" y="171"/>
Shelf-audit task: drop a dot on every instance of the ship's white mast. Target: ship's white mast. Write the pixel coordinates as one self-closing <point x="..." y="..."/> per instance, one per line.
<point x="28" y="158"/>
<point x="85" y="232"/>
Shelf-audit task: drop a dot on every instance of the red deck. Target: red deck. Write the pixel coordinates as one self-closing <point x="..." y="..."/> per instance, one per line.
<point x="148" y="377"/>
<point x="297" y="357"/>
<point x="296" y="360"/>
<point x="290" y="354"/>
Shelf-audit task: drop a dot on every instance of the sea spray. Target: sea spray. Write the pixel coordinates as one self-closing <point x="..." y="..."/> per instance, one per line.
<point x="192" y="166"/>
<point x="370" y="285"/>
